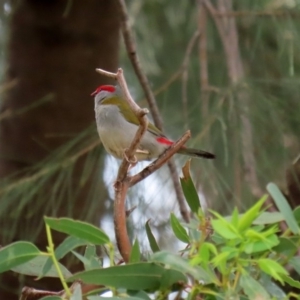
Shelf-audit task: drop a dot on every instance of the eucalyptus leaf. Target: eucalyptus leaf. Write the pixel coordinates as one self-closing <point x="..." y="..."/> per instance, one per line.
<point x="35" y="266"/>
<point x="152" y="241"/>
<point x="178" y="263"/>
<point x="70" y="243"/>
<point x="79" y="229"/>
<point x="135" y="255"/>
<point x="138" y="276"/>
<point x="189" y="189"/>
<point x="178" y="229"/>
<point x="17" y="254"/>
<point x="283" y="207"/>
<point x="252" y="288"/>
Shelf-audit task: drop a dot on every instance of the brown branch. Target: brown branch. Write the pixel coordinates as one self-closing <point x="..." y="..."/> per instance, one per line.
<point x="122" y="238"/>
<point x="132" y="53"/>
<point x="161" y="160"/>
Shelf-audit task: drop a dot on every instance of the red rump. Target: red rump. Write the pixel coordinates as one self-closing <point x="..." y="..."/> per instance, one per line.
<point x="108" y="88"/>
<point x="165" y="141"/>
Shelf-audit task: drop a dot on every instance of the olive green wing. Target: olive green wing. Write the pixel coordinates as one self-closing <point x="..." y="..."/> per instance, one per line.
<point x="129" y="115"/>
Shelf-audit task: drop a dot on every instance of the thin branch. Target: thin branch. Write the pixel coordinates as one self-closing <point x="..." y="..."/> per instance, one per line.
<point x="131" y="50"/>
<point x="161" y="160"/>
<point x="205" y="91"/>
<point x="185" y="74"/>
<point x="122" y="238"/>
<point x="132" y="53"/>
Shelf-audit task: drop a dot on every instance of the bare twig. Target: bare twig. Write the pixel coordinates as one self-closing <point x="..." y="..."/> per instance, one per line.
<point x="121" y="233"/>
<point x="131" y="50"/>
<point x="185" y="74"/>
<point x="205" y="91"/>
<point x="204" y="82"/>
<point x="161" y="160"/>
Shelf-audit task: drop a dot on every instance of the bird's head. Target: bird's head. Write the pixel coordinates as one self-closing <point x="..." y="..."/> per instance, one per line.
<point x="105" y="91"/>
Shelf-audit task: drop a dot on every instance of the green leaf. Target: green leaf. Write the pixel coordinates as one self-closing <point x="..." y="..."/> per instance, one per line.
<point x="262" y="245"/>
<point x="151" y="238"/>
<point x="189" y="189"/>
<point x="220" y="261"/>
<point x="137" y="276"/>
<point x="266" y="218"/>
<point x="178" y="263"/>
<point x="135" y="255"/>
<point x="235" y="218"/>
<point x="77" y="294"/>
<point x="178" y="229"/>
<point x="83" y="259"/>
<point x="34" y="267"/>
<point x="271" y="287"/>
<point x="252" y="288"/>
<point x="292" y="282"/>
<point x="51" y="298"/>
<point x="225" y="229"/>
<point x="93" y="260"/>
<point x="79" y="229"/>
<point x="283" y="207"/>
<point x="16" y="254"/>
<point x="70" y="243"/>
<point x="272" y="268"/>
<point x="295" y="262"/>
<point x="286" y="247"/>
<point x="251" y="214"/>
<point x="204" y="253"/>
<point x="296" y="213"/>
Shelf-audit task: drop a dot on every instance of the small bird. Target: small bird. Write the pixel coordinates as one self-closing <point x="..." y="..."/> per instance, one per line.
<point x="117" y="125"/>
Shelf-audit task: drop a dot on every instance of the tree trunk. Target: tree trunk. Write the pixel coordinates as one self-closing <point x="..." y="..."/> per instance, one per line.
<point x="53" y="50"/>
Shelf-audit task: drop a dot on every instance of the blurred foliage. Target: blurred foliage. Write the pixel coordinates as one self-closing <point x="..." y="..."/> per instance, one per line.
<point x="241" y="256"/>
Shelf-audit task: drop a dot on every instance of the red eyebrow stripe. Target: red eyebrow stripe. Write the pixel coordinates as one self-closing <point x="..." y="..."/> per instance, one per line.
<point x="165" y="141"/>
<point x="108" y="88"/>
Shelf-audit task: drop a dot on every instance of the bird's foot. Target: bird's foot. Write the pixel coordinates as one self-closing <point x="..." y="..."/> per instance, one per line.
<point x="132" y="162"/>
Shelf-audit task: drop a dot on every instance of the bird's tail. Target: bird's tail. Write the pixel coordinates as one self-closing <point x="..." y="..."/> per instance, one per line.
<point x="196" y="153"/>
